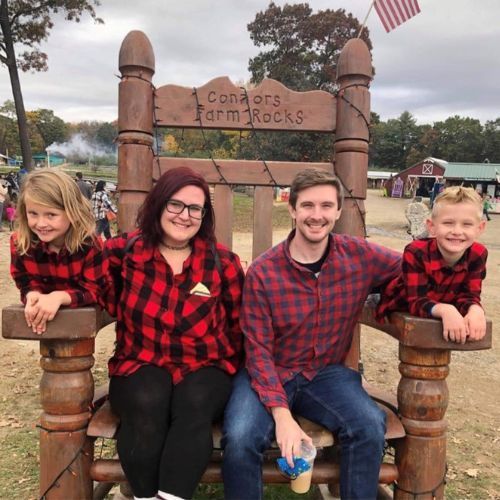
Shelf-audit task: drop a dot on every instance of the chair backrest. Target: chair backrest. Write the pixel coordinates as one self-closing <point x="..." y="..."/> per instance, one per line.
<point x="220" y="104"/>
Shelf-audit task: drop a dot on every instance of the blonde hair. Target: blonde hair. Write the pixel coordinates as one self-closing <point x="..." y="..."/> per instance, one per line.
<point x="55" y="189"/>
<point x="458" y="194"/>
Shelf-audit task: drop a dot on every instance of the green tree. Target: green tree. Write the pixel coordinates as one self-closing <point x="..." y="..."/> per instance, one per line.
<point x="491" y="135"/>
<point x="105" y="136"/>
<point x="25" y="24"/>
<point x="35" y="137"/>
<point x="392" y="141"/>
<point x="51" y="127"/>
<point x="300" y="49"/>
<point x="460" y="139"/>
<point x="9" y="138"/>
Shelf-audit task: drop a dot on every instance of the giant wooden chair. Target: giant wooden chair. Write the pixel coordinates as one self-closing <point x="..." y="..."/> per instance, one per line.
<point x="417" y="426"/>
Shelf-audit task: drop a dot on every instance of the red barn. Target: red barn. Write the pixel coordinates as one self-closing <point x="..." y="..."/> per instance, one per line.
<point x="420" y="176"/>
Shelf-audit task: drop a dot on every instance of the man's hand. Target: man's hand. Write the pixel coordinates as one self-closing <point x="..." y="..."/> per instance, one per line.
<point x="475" y="322"/>
<point x="45" y="309"/>
<point x="454" y="327"/>
<point x="289" y="435"/>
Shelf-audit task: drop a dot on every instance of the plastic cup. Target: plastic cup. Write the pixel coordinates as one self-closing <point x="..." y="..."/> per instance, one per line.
<point x="302" y="482"/>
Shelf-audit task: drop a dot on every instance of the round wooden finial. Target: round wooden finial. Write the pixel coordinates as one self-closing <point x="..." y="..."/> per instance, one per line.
<point x="355" y="59"/>
<point x="136" y="51"/>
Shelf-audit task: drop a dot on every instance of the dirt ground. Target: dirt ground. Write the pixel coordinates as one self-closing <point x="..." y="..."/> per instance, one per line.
<point x="474" y="381"/>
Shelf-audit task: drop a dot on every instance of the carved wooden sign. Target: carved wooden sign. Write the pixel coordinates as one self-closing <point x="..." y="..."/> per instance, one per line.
<point x="223" y="105"/>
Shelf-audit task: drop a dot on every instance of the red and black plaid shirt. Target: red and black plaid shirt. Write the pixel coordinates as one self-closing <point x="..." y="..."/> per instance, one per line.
<point x="79" y="274"/>
<point x="159" y="320"/>
<point x="427" y="280"/>
<point x="295" y="322"/>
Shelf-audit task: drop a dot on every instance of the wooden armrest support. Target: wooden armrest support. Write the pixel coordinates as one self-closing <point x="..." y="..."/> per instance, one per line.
<point x="69" y="324"/>
<point x="422" y="333"/>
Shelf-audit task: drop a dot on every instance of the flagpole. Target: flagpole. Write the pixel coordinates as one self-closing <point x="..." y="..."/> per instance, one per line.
<point x="366" y="19"/>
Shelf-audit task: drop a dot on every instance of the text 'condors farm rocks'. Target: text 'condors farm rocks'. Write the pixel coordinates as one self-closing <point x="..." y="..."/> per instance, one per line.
<point x="233" y="108"/>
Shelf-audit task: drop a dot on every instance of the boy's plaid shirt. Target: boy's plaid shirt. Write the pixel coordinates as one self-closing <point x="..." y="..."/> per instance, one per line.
<point x="427" y="280"/>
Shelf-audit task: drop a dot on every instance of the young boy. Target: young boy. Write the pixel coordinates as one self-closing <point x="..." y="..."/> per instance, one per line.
<point x="442" y="275"/>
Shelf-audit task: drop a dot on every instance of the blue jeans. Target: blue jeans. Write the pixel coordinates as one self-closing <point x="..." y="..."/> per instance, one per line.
<point x="336" y="400"/>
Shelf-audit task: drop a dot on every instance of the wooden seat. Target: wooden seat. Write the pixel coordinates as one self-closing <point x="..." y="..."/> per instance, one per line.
<point x="69" y="427"/>
<point x="104" y="424"/>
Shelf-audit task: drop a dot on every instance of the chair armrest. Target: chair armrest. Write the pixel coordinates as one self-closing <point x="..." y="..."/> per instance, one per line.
<point x="69" y="324"/>
<point x="422" y="333"/>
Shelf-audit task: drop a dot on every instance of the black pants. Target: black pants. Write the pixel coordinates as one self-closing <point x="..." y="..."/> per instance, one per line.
<point x="165" y="437"/>
<point x="102" y="227"/>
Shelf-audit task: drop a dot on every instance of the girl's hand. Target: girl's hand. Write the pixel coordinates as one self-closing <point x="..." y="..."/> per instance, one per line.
<point x="31" y="309"/>
<point x="47" y="307"/>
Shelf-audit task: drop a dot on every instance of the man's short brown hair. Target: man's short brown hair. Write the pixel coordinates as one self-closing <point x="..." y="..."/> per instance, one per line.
<point x="315" y="177"/>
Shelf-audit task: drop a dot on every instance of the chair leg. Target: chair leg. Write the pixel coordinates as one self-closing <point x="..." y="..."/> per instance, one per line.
<point x="328" y="492"/>
<point x="125" y="492"/>
<point x="101" y="490"/>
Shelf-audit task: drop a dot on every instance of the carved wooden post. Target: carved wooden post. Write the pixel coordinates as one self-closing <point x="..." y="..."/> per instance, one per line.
<point x="66" y="392"/>
<point x="422" y="402"/>
<point x="354" y="72"/>
<point x="66" y="389"/>
<point x="135" y="126"/>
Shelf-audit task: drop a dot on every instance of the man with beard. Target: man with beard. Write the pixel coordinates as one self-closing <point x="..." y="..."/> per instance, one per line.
<point x="301" y="301"/>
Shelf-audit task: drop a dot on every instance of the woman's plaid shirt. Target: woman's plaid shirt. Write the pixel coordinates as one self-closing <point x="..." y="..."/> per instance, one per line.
<point x="162" y="321"/>
<point x="427" y="280"/>
<point x="79" y="274"/>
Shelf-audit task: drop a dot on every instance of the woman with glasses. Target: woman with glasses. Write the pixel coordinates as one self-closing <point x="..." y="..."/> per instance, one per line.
<point x="178" y="336"/>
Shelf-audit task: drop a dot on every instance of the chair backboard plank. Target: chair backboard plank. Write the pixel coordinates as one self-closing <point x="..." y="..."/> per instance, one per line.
<point x="219" y="104"/>
<point x="242" y="172"/>
<point x="223" y="209"/>
<point x="262" y="220"/>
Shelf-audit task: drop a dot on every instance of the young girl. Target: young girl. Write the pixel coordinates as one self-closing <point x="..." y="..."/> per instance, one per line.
<point x="56" y="259"/>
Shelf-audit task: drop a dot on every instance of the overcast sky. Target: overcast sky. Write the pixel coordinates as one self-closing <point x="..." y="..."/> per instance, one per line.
<point x="445" y="61"/>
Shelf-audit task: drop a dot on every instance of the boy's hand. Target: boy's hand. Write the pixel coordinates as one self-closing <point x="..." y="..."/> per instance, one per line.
<point x="454" y="325"/>
<point x="475" y="321"/>
<point x="47" y="307"/>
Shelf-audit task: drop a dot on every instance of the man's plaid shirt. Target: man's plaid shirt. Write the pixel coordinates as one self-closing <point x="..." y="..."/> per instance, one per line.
<point x="159" y="320"/>
<point x="295" y="322"/>
<point x="427" y="280"/>
<point x="79" y="274"/>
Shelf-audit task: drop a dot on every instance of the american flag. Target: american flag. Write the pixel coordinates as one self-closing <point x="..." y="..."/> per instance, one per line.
<point x="392" y="13"/>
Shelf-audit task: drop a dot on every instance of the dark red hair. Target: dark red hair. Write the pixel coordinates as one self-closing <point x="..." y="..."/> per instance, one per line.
<point x="148" y="219"/>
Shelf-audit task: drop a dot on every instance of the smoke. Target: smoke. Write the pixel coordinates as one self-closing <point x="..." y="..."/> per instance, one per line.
<point x="79" y="148"/>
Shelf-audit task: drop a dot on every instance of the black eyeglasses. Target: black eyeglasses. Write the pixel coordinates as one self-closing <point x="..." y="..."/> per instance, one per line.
<point x="177" y="207"/>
